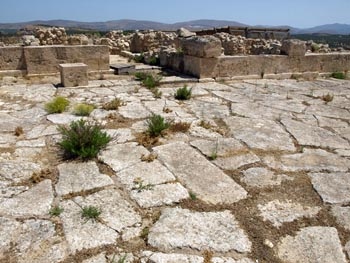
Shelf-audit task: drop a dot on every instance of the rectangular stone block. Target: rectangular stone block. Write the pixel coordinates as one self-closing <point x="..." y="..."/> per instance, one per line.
<point x="74" y="74"/>
<point x="12" y="58"/>
<point x="202" y="46"/>
<point x="293" y="48"/>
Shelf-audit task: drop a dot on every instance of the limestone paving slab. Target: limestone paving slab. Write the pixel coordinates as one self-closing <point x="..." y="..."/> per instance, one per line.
<point x="15" y="172"/>
<point x="198" y="175"/>
<point x="236" y="161"/>
<point x="260" y="133"/>
<point x="314" y="160"/>
<point x="215" y="231"/>
<point x="134" y="110"/>
<point x="62" y="118"/>
<point x="279" y="212"/>
<point x="342" y="215"/>
<point x="77" y="177"/>
<point x="36" y="201"/>
<point x="149" y="173"/>
<point x="312" y="244"/>
<point x="314" y="136"/>
<point x="158" y="195"/>
<point x="221" y="146"/>
<point x="333" y="188"/>
<point x="262" y="177"/>
<point x="121" y="156"/>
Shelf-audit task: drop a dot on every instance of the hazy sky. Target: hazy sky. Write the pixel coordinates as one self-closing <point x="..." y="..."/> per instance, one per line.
<point x="297" y="13"/>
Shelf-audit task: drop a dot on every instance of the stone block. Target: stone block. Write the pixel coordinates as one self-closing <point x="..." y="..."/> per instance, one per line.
<point x="12" y="58"/>
<point x="74" y="74"/>
<point x="202" y="46"/>
<point x="293" y="48"/>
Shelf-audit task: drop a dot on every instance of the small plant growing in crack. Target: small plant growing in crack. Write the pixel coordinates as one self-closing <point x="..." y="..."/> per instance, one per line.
<point x="140" y="186"/>
<point x="214" y="153"/>
<point x="19" y="131"/>
<point x="327" y="98"/>
<point x="55" y="211"/>
<point x="183" y="93"/>
<point x="205" y="124"/>
<point x="144" y="233"/>
<point x="122" y="259"/>
<point x="113" y="104"/>
<point x="57" y="105"/>
<point x="149" y="157"/>
<point x="83" y="109"/>
<point x="90" y="213"/>
<point x="193" y="196"/>
<point x="156" y="125"/>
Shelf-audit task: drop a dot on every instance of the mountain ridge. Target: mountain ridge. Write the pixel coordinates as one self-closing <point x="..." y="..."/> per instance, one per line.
<point x="130" y="24"/>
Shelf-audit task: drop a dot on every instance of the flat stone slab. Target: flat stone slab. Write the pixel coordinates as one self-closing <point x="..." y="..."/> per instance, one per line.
<point x="209" y="108"/>
<point x="333" y="188"/>
<point x="314" y="160"/>
<point x="77" y="177"/>
<point x="16" y="171"/>
<point x="314" y="136"/>
<point x="261" y="177"/>
<point x="158" y="257"/>
<point x="236" y="161"/>
<point x="260" y="133"/>
<point x="201" y="177"/>
<point x="35" y="240"/>
<point x="149" y="173"/>
<point x="279" y="212"/>
<point x="62" y="118"/>
<point x="215" y="231"/>
<point x="134" y="110"/>
<point x="34" y="202"/>
<point x="312" y="244"/>
<point x="221" y="146"/>
<point x="121" y="156"/>
<point x="116" y="216"/>
<point x="164" y="194"/>
<point x="342" y="215"/>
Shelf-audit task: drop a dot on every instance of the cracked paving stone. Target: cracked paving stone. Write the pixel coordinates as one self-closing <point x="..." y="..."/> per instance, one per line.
<point x="157" y="195"/>
<point x="209" y="108"/>
<point x="63" y="118"/>
<point x="262" y="177"/>
<point x="121" y="156"/>
<point x="215" y="231"/>
<point x="32" y="143"/>
<point x="314" y="136"/>
<point x="158" y="257"/>
<point x="342" y="215"/>
<point x="149" y="173"/>
<point x="312" y="244"/>
<point x="17" y="171"/>
<point x="260" y="133"/>
<point x="121" y="257"/>
<point x="134" y="110"/>
<point x="36" y="201"/>
<point x="77" y="177"/>
<point x="35" y="240"/>
<point x="333" y="188"/>
<point x="221" y="146"/>
<point x="279" y="212"/>
<point x="121" y="135"/>
<point x="314" y="160"/>
<point x="198" y="175"/>
<point x="236" y="161"/>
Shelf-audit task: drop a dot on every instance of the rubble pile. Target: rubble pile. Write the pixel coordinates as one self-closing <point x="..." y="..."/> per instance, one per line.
<point x="117" y="41"/>
<point x="51" y="35"/>
<point x="152" y="40"/>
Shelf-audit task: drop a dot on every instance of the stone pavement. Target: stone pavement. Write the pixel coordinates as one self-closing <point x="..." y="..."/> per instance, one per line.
<point x="262" y="175"/>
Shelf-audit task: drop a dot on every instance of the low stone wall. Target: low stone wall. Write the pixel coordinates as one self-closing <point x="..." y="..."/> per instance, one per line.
<point x="46" y="59"/>
<point x="12" y="58"/>
<point x="260" y="65"/>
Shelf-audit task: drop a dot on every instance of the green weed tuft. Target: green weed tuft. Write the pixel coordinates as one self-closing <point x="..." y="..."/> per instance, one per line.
<point x="183" y="93"/>
<point x="83" y="109"/>
<point x="156" y="125"/>
<point x="57" y="105"/>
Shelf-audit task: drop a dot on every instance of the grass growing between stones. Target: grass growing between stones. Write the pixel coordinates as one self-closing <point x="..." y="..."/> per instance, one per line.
<point x="114" y="104"/>
<point x="56" y="211"/>
<point x="180" y="126"/>
<point x="57" y="105"/>
<point x="156" y="125"/>
<point x="338" y="75"/>
<point x="83" y="109"/>
<point x="82" y="139"/>
<point x="90" y="213"/>
<point x="327" y="98"/>
<point x="183" y="93"/>
<point x="18" y="131"/>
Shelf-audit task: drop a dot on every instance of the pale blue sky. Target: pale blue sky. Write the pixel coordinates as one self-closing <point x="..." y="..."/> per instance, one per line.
<point x="297" y="13"/>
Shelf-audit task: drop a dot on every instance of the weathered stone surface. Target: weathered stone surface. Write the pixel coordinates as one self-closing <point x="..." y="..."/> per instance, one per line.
<point x="77" y="177"/>
<point x="279" y="212"/>
<point x="314" y="136"/>
<point x="221" y="146"/>
<point x="310" y="160"/>
<point x="201" y="46"/>
<point x="62" y="118"/>
<point x="347" y="248"/>
<point x="209" y="108"/>
<point x="74" y="74"/>
<point x="120" y="135"/>
<point x="134" y="110"/>
<point x="332" y="187"/>
<point x="158" y="257"/>
<point x="260" y="133"/>
<point x="293" y="47"/>
<point x="32" y="143"/>
<point x="262" y="177"/>
<point x="34" y="202"/>
<point x="342" y="214"/>
<point x="164" y="194"/>
<point x="312" y="244"/>
<point x="100" y="258"/>
<point x="42" y="130"/>
<point x="201" y="177"/>
<point x="9" y="230"/>
<point x="236" y="161"/>
<point x="83" y="234"/>
<point x="183" y="32"/>
<point x="15" y="172"/>
<point x="121" y="156"/>
<point x="149" y="173"/>
<point x="181" y="228"/>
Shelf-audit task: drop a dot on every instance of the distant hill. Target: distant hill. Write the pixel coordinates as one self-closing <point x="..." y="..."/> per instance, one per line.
<point x="126" y="24"/>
